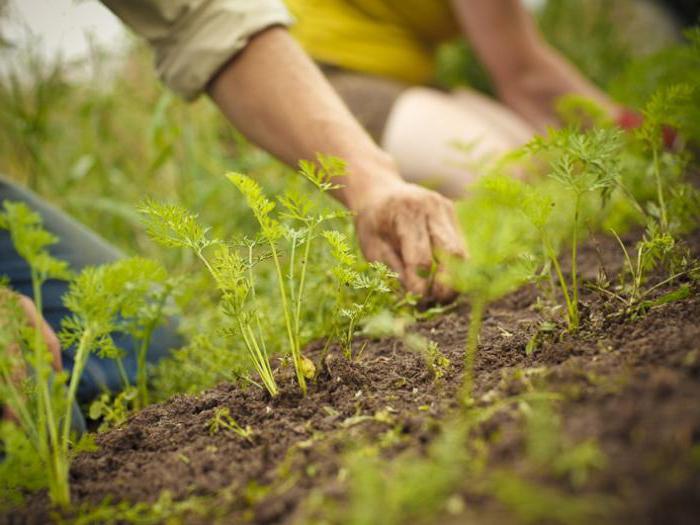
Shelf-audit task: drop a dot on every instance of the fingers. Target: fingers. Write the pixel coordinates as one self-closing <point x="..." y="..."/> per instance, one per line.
<point x="444" y="232"/>
<point x="52" y="343"/>
<point x="375" y="249"/>
<point x="416" y="252"/>
<point x="410" y="231"/>
<point x="446" y="242"/>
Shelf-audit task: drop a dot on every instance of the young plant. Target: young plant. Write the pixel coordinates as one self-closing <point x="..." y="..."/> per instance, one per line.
<point x="660" y="112"/>
<point x="655" y="250"/>
<point x="370" y="284"/>
<point x="102" y="300"/>
<point x="273" y="232"/>
<point x="222" y="420"/>
<point x="305" y="213"/>
<point x="173" y="226"/>
<point x="501" y="256"/>
<point x="42" y="412"/>
<point x="112" y="411"/>
<point x="128" y="296"/>
<point x="583" y="164"/>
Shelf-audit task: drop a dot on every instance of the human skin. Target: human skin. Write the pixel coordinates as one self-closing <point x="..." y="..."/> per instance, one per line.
<point x="275" y="95"/>
<point x="50" y="339"/>
<point x="528" y="74"/>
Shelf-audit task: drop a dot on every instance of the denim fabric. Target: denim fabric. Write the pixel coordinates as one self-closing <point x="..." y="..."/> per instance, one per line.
<point x="80" y="248"/>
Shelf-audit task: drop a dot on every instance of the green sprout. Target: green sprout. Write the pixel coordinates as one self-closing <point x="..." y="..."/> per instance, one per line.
<point x="583" y="164"/>
<point x="660" y="112"/>
<point x="373" y="282"/>
<point x="501" y="255"/>
<point x="44" y="415"/>
<point x="222" y="420"/>
<point x="173" y="226"/>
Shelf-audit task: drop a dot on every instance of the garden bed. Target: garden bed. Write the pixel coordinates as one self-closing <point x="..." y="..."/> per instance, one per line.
<point x="630" y="385"/>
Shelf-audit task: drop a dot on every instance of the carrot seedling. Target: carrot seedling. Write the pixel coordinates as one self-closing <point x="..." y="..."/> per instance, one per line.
<point x="174" y="226"/>
<point x="660" y="112"/>
<point x="501" y="247"/>
<point x="583" y="164"/>
<point x="222" y="420"/>
<point x="303" y="212"/>
<point x="371" y="283"/>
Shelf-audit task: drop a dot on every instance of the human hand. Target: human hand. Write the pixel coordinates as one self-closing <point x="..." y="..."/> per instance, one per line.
<point x="49" y="337"/>
<point x="411" y="230"/>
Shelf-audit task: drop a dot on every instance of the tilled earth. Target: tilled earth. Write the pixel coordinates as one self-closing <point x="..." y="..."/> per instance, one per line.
<point x="632" y="385"/>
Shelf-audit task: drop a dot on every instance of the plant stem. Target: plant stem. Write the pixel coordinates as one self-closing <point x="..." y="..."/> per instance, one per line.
<point x="122" y="372"/>
<point x="562" y="282"/>
<point x="81" y="356"/>
<point x="259" y="358"/>
<point x="290" y="273"/>
<point x="574" y="269"/>
<point x="302" y="281"/>
<point x="61" y="493"/>
<point x="50" y="450"/>
<point x="273" y="389"/>
<point x="288" y="321"/>
<point x="629" y="263"/>
<point x="660" y="190"/>
<point x="475" y="320"/>
<point x="39" y="369"/>
<point x="141" y="378"/>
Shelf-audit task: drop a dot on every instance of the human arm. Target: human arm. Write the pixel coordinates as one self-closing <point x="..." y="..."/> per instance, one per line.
<point x="528" y="74"/>
<point x="278" y="98"/>
<point x="272" y="92"/>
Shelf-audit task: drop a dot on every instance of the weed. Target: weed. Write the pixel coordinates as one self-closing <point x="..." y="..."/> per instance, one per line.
<point x="112" y="411"/>
<point x="222" y="420"/>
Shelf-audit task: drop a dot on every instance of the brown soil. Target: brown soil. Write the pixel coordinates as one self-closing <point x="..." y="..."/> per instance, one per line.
<point x="632" y="385"/>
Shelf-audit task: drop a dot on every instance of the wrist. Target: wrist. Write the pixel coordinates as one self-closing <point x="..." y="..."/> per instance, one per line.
<point x="365" y="178"/>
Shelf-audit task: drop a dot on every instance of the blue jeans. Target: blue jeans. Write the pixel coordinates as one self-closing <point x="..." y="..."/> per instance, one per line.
<point x="80" y="248"/>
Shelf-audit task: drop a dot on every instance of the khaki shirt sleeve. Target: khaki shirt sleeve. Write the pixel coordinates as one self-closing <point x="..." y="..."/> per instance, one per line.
<point x="193" y="39"/>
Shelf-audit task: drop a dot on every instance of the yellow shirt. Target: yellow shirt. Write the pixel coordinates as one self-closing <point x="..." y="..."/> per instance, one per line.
<point x="394" y="38"/>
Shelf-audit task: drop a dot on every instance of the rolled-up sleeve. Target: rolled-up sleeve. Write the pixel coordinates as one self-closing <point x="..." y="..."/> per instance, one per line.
<point x="193" y="39"/>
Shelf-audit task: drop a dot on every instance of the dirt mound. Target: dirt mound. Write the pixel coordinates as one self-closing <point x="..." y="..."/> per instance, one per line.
<point x="630" y="385"/>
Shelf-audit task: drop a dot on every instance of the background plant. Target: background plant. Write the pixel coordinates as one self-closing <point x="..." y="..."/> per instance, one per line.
<point x="102" y="300"/>
<point x="43" y="413"/>
<point x="583" y="164"/>
<point x="502" y="250"/>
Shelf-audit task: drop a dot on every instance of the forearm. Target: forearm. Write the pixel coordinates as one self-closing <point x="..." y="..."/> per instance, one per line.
<point x="503" y="35"/>
<point x="529" y="75"/>
<point x="274" y="94"/>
